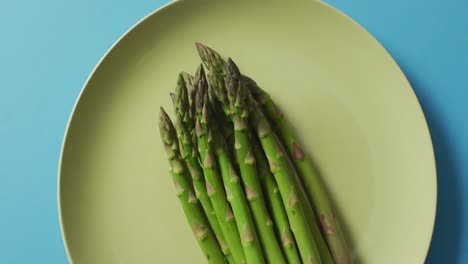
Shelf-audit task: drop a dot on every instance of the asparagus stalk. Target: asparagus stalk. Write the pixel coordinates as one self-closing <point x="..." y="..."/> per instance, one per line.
<point x="214" y="185"/>
<point x="188" y="81"/>
<point x="280" y="217"/>
<point x="236" y="197"/>
<point x="193" y="211"/>
<point x="190" y="155"/>
<point x="246" y="159"/>
<point x="288" y="186"/>
<point x="308" y="175"/>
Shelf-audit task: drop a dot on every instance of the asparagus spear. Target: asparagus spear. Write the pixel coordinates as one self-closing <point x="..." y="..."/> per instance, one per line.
<point x="246" y="160"/>
<point x="216" y="64"/>
<point x="280" y="217"/>
<point x="190" y="156"/>
<point x="287" y="185"/>
<point x="308" y="175"/>
<point x="188" y="80"/>
<point x="214" y="185"/>
<point x="235" y="196"/>
<point x="193" y="211"/>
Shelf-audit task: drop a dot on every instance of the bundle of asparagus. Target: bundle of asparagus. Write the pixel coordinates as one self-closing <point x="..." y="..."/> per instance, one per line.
<point x="247" y="189"/>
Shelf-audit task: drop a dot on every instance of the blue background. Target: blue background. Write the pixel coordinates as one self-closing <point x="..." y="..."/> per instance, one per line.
<point x="49" y="47"/>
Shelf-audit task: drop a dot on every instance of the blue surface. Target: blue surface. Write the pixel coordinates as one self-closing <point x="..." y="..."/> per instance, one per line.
<point x="48" y="48"/>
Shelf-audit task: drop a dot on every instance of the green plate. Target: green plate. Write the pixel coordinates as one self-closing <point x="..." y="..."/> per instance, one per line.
<point x="351" y="105"/>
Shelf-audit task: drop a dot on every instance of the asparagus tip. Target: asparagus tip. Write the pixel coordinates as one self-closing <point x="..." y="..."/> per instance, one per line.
<point x="166" y="127"/>
<point x="180" y="78"/>
<point x="203" y="49"/>
<point x="199" y="45"/>
<point x="200" y="74"/>
<point x="200" y="86"/>
<point x="162" y="113"/>
<point x="232" y="68"/>
<point x="173" y="98"/>
<point x="185" y="74"/>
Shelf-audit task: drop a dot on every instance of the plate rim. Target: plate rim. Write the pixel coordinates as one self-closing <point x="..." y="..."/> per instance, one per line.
<point x="73" y="111"/>
<point x="418" y="105"/>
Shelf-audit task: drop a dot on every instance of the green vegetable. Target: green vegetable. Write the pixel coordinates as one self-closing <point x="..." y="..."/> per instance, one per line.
<point x="280" y="217"/>
<point x="235" y="195"/>
<point x="192" y="209"/>
<point x="226" y="125"/>
<point x="214" y="186"/>
<point x="190" y="155"/>
<point x="247" y="164"/>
